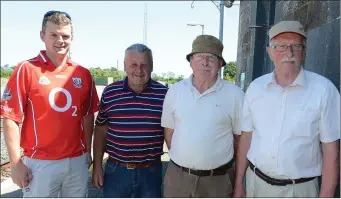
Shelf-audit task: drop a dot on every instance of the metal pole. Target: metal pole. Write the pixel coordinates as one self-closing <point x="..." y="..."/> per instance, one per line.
<point x="145" y="25"/>
<point x="221" y="31"/>
<point x="202" y="30"/>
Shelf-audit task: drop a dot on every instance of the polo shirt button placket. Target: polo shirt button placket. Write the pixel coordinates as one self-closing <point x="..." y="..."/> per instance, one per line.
<point x="134" y="95"/>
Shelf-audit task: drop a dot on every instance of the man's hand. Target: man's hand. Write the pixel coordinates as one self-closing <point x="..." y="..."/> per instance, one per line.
<point x="21" y="175"/>
<point x="99" y="148"/>
<point x="239" y="191"/>
<point x="168" y="137"/>
<point x="97" y="176"/>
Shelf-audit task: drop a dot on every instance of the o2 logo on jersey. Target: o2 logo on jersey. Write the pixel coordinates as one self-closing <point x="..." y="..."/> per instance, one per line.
<point x="68" y="101"/>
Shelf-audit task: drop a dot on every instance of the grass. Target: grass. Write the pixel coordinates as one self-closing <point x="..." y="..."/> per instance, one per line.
<point x="3" y="80"/>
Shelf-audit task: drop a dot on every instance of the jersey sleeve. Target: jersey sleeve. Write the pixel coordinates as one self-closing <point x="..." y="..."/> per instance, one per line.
<point x="91" y="103"/>
<point x="14" y="97"/>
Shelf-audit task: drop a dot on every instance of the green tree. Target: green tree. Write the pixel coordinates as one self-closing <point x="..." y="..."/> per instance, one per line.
<point x="156" y="77"/>
<point x="230" y="71"/>
<point x="5" y="73"/>
<point x="163" y="76"/>
<point x="107" y="72"/>
<point x="169" y="77"/>
<point x="179" y="78"/>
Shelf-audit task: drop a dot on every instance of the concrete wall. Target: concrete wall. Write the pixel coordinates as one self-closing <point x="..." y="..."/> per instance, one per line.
<point x="245" y="44"/>
<point x="321" y="20"/>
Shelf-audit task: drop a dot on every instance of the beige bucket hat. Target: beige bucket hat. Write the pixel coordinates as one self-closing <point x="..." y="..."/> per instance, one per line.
<point x="207" y="44"/>
<point x="287" y="26"/>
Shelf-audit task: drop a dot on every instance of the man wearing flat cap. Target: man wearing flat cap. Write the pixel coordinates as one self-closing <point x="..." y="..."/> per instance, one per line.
<point x="201" y="116"/>
<point x="293" y="118"/>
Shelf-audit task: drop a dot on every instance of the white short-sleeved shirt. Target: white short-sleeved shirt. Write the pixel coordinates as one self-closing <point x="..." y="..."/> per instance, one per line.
<point x="203" y="123"/>
<point x="287" y="125"/>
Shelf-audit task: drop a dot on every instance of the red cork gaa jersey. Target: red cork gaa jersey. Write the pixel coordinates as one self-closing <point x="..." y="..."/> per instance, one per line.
<point x="51" y="103"/>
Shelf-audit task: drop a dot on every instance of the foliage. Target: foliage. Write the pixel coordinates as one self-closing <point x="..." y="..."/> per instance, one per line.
<point x="230" y="72"/>
<point x="6" y="71"/>
<point x="107" y="72"/>
<point x="169" y="78"/>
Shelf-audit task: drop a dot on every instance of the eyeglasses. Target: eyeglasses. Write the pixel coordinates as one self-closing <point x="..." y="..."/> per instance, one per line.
<point x="52" y="12"/>
<point x="200" y="57"/>
<point x="282" y="48"/>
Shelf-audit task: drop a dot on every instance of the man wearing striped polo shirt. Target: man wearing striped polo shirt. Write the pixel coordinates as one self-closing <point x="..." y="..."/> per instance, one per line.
<point x="128" y="128"/>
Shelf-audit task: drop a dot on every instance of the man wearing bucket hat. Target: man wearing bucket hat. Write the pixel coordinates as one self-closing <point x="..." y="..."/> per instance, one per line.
<point x="201" y="115"/>
<point x="288" y="113"/>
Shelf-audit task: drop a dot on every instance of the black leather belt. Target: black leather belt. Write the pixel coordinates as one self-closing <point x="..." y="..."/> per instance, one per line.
<point x="222" y="170"/>
<point x="136" y="165"/>
<point x="278" y="182"/>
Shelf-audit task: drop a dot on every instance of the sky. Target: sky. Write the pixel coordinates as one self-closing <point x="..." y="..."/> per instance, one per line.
<point x="103" y="30"/>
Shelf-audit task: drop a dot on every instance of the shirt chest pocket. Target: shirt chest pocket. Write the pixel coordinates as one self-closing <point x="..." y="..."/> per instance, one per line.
<point x="306" y="122"/>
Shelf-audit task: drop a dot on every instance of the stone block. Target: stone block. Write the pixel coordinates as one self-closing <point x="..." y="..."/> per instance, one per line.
<point x="299" y="15"/>
<point x="323" y="51"/>
<point x="244" y="25"/>
<point x="322" y="12"/>
<point x="333" y="10"/>
<point x="317" y="14"/>
<point x="246" y="44"/>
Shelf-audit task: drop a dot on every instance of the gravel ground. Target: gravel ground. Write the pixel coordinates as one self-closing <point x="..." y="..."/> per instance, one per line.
<point x="4" y="155"/>
<point x="5" y="171"/>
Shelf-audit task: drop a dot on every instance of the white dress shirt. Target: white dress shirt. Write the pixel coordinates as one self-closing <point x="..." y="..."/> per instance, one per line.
<point x="288" y="124"/>
<point x="203" y="123"/>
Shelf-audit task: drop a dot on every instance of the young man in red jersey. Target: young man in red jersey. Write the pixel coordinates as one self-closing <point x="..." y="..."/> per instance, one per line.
<point x="55" y="99"/>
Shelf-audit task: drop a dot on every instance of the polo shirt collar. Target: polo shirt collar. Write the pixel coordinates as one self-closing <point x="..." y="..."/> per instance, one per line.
<point x="43" y="58"/>
<point x="125" y="85"/>
<point x="216" y="86"/>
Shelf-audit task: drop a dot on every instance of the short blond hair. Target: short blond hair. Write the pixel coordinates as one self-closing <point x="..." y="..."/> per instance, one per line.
<point x="58" y="18"/>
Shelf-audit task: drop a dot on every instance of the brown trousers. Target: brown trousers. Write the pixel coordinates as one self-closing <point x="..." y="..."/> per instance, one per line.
<point x="179" y="184"/>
